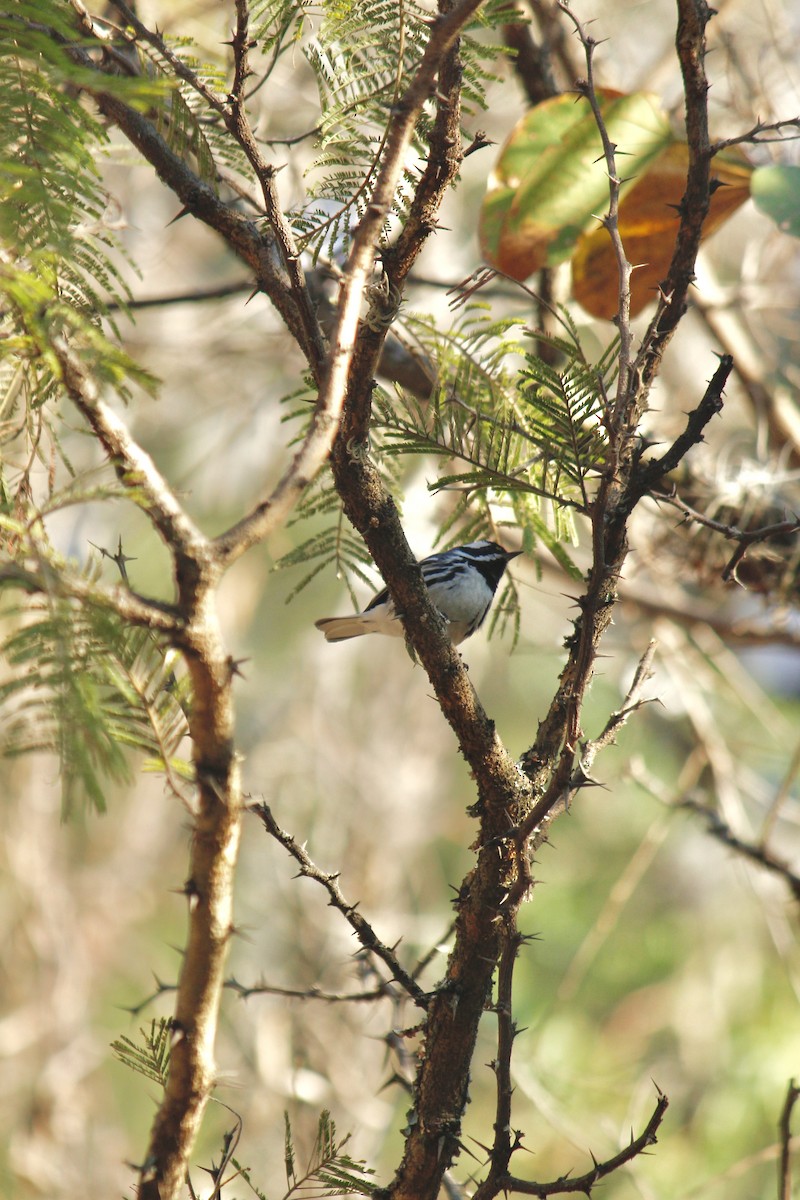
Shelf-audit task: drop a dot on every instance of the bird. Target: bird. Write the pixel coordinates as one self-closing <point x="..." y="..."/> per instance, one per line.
<point x="461" y="582"/>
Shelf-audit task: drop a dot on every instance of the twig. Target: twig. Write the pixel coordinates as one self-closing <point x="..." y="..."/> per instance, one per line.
<point x="648" y="474"/>
<point x="632" y="703"/>
<point x="270" y="514"/>
<point x="329" y="881"/>
<point x="383" y="992"/>
<point x="610" y="222"/>
<point x="341" y="364"/>
<point x="230" y="1141"/>
<point x="785" y="1135"/>
<point x="754" y="137"/>
<point x="353" y="360"/>
<point x="533" y="831"/>
<point x="199" y="296"/>
<point x="555" y="38"/>
<point x="217" y="821"/>
<point x="139" y="610"/>
<point x="585" y="1183"/>
<point x="745" y="537"/>
<point x="559" y="733"/>
<point x="134" y="468"/>
<point x="770" y="408"/>
<point x="503" y="1146"/>
<point x="238" y="123"/>
<point x="531" y="62"/>
<point x="176" y="64"/>
<point x="720" y="829"/>
<point x="693" y="16"/>
<point x="256" y="247"/>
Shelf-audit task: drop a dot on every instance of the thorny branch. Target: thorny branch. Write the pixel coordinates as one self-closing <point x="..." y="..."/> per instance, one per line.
<point x="244" y="991"/>
<point x="330" y="882"/>
<point x="256" y="247"/>
<point x="217" y="818"/>
<point x="139" y="610"/>
<point x="631" y="704"/>
<point x="745" y="537"/>
<point x="760" y="854"/>
<point x="559" y="733"/>
<point x="509" y="814"/>
<point x="610" y="223"/>
<point x="343" y="367"/>
<point x="581" y="775"/>
<point x="755" y="136"/>
<point x="134" y="468"/>
<point x="504" y="1145"/>
<point x="693" y="16"/>
<point x="584" y="1184"/>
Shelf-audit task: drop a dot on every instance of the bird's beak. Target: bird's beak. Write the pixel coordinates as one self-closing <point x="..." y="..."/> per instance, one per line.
<point x="512" y="554"/>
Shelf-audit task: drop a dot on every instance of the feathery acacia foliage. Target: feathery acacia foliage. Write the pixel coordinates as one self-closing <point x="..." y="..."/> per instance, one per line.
<point x="54" y="224"/>
<point x="150" y="1057"/>
<point x="85" y="686"/>
<point x="519" y="427"/>
<point x="60" y="269"/>
<point x="362" y="57"/>
<point x="81" y="683"/>
<point x="328" y="1172"/>
<point x="529" y="436"/>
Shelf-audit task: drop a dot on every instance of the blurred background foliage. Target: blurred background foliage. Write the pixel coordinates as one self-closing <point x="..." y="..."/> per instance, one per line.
<point x="659" y="954"/>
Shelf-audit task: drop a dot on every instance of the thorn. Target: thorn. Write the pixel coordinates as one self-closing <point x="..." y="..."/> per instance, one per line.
<point x="184" y="212"/>
<point x="234" y="665"/>
<point x="479" y="141"/>
<point x="119" y="558"/>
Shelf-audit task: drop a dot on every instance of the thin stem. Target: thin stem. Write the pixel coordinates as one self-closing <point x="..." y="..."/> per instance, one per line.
<point x="785" y="1133"/>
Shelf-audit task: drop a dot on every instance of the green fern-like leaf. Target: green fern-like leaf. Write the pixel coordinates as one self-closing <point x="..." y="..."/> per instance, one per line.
<point x="83" y="685"/>
<point x="61" y="270"/>
<point x="52" y="204"/>
<point x="289" y="1160"/>
<point x="246" y="1174"/>
<point x="278" y="25"/>
<point x="150" y="1057"/>
<point x="329" y="1171"/>
<point x="362" y="56"/>
<point x="532" y="429"/>
<point x="183" y="114"/>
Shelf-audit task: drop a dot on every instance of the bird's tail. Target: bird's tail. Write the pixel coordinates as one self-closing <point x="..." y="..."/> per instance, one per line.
<point x="339" y="629"/>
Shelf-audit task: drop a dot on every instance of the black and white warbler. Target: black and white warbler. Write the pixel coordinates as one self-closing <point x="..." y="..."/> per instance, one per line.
<point x="462" y="583"/>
